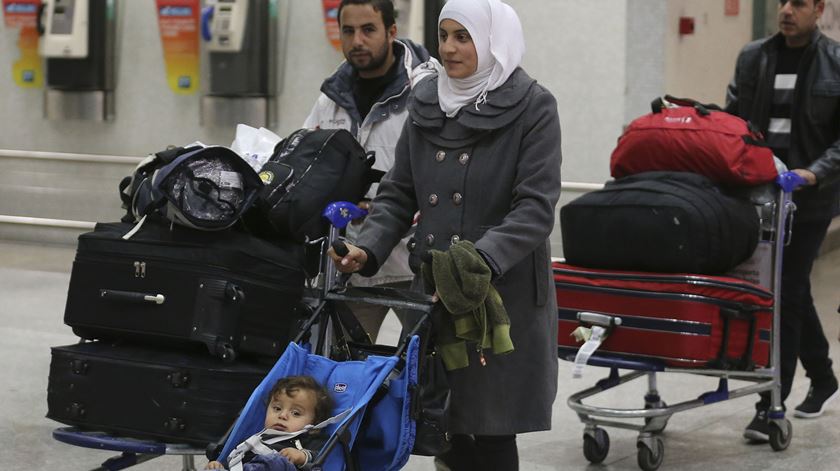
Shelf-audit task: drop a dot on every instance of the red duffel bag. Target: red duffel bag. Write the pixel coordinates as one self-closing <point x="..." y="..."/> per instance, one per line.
<point x="691" y="137"/>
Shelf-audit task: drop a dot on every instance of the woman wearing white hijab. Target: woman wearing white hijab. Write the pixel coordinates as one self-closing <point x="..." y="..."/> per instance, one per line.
<point x="479" y="158"/>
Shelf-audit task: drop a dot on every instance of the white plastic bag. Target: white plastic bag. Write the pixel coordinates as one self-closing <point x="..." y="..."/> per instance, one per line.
<point x="254" y="145"/>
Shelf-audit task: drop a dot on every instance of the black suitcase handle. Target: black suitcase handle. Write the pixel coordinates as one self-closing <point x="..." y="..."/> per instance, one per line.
<point x="132" y="297"/>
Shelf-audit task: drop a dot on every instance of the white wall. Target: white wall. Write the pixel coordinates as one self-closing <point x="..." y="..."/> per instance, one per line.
<point x="576" y="50"/>
<point x="645" y="55"/>
<point x="700" y="65"/>
<point x="830" y="21"/>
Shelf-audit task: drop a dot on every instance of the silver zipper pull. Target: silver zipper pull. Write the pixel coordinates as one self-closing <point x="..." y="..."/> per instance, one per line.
<point x="136" y="269"/>
<point x="142" y="269"/>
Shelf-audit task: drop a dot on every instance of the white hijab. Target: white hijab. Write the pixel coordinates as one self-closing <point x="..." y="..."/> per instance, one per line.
<point x="499" y="43"/>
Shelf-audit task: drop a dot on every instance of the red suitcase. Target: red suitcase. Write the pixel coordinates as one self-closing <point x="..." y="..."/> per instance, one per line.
<point x="683" y="320"/>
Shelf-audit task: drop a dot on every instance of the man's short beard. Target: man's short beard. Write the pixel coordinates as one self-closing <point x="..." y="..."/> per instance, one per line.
<point x="376" y="60"/>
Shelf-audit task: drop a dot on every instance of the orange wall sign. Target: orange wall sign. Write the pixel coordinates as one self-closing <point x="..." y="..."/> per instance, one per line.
<point x="731" y="7"/>
<point x="178" y="22"/>
<point x="23" y="14"/>
<point x="331" y="22"/>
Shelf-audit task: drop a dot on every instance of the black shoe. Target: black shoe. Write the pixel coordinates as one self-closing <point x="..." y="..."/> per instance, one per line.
<point x="818" y="397"/>
<point x="759" y="429"/>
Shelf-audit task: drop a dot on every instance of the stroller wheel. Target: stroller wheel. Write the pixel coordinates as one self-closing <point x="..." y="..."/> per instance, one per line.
<point x="650" y="457"/>
<point x="781" y="434"/>
<point x="596" y="445"/>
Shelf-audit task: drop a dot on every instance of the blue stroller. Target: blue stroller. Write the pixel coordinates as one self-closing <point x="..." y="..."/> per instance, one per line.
<point x="374" y="385"/>
<point x="377" y="431"/>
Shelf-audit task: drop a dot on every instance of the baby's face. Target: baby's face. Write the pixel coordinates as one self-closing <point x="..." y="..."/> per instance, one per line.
<point x="290" y="413"/>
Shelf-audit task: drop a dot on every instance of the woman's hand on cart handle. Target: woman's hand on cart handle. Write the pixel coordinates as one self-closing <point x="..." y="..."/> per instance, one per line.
<point x="347" y="257"/>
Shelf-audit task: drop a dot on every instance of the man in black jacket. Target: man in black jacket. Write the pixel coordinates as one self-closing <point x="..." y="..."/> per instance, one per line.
<point x="789" y="86"/>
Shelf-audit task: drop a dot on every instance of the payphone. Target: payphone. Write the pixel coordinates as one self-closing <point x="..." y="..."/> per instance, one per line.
<point x="77" y="41"/>
<point x="241" y="38"/>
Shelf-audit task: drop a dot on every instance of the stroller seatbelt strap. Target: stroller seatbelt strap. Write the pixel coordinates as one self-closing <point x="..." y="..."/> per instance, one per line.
<point x="260" y="445"/>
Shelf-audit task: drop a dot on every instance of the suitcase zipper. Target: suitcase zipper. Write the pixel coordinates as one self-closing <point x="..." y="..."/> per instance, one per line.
<point x="140" y="268"/>
<point x="672" y="296"/>
<point x="688" y="279"/>
<point x="111" y="250"/>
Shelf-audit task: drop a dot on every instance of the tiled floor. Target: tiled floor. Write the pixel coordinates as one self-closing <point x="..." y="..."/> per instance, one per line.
<point x="33" y="287"/>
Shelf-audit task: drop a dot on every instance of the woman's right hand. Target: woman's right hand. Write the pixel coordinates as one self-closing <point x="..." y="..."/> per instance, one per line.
<point x="352" y="262"/>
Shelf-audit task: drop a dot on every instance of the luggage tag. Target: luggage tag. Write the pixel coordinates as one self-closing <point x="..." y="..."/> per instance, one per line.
<point x="602" y="325"/>
<point x="597" y="335"/>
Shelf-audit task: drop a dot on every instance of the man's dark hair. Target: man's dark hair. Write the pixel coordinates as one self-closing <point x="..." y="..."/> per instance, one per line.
<point x="292" y="384"/>
<point x="384" y="7"/>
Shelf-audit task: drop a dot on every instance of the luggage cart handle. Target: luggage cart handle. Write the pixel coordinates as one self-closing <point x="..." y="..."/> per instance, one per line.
<point x="594" y="318"/>
<point x="132" y="297"/>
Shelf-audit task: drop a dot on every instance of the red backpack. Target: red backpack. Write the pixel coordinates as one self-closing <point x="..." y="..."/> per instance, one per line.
<point x="694" y="138"/>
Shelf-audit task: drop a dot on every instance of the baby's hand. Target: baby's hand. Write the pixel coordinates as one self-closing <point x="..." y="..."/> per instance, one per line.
<point x="214" y="465"/>
<point x="297" y="457"/>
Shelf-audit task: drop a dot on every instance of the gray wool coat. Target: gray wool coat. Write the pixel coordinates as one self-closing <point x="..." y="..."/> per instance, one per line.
<point x="490" y="176"/>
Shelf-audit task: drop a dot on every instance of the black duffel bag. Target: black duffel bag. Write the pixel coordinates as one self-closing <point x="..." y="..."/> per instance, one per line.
<point x="660" y="222"/>
<point x="308" y="170"/>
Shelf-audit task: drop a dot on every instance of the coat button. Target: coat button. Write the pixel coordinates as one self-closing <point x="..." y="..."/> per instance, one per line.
<point x="457" y="198"/>
<point x="411" y="244"/>
<point x="455" y="239"/>
<point x="440" y="155"/>
<point x="433" y="199"/>
<point x="430" y="239"/>
<point x="464" y="158"/>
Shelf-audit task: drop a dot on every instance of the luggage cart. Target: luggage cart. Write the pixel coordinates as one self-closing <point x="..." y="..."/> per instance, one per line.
<point x="776" y="211"/>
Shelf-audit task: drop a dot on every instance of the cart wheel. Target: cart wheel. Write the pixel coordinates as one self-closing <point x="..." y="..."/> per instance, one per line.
<point x="780" y="436"/>
<point x="596" y="446"/>
<point x="651" y="459"/>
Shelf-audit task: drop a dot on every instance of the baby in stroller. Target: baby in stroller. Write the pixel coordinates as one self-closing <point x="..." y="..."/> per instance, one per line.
<point x="295" y="405"/>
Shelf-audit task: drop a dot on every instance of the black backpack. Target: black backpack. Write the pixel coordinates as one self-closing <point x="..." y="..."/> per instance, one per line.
<point x="308" y="170"/>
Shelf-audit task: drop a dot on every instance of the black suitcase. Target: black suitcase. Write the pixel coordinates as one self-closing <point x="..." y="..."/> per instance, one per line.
<point x="228" y="290"/>
<point x="659" y="222"/>
<point x="177" y="396"/>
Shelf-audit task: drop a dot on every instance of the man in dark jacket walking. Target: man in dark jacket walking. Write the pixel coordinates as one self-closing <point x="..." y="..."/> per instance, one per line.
<point x="789" y="86"/>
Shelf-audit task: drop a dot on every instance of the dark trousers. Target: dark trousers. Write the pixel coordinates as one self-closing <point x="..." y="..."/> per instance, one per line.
<point x="802" y="334"/>
<point x="482" y="453"/>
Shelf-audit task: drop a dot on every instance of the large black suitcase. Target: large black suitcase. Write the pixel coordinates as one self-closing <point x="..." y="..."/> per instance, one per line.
<point x="227" y="289"/>
<point x="178" y="396"/>
<point x="659" y="222"/>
